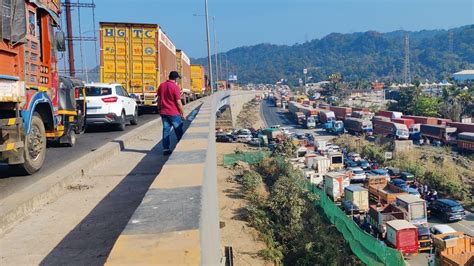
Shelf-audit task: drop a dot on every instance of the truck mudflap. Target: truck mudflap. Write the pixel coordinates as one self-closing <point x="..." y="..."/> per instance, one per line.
<point x="11" y="145"/>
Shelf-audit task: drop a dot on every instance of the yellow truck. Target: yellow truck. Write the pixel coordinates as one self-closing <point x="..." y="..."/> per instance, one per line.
<point x="138" y="56"/>
<point x="198" y="80"/>
<point x="184" y="70"/>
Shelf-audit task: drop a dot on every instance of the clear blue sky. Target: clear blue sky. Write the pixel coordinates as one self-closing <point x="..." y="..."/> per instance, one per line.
<point x="247" y="22"/>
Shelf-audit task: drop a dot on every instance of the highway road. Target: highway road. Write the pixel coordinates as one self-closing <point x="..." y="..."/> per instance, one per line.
<point x="56" y="157"/>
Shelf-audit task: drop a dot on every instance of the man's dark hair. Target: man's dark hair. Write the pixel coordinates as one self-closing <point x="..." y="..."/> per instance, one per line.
<point x="174" y="75"/>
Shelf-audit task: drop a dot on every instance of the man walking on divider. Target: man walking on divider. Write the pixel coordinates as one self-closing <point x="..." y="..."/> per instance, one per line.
<point x="171" y="109"/>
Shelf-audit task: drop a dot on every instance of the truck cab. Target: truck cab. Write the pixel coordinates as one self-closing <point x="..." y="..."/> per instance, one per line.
<point x="29" y="81"/>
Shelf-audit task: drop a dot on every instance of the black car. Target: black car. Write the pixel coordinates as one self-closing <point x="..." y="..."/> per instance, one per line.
<point x="393" y="171"/>
<point x="447" y="209"/>
<point x="224" y="138"/>
<point x="408" y="177"/>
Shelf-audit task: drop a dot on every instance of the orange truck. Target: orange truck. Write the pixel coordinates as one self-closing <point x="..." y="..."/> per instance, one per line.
<point x="184" y="70"/>
<point x="139" y="56"/>
<point x="198" y="80"/>
<point x="30" y="112"/>
<point x="454" y="249"/>
<point x="384" y="192"/>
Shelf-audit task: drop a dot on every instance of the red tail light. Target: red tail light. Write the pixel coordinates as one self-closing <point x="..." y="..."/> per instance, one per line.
<point x="76" y="93"/>
<point x="112" y="99"/>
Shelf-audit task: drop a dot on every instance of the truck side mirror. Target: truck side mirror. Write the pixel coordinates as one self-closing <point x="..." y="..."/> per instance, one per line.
<point x="60" y="41"/>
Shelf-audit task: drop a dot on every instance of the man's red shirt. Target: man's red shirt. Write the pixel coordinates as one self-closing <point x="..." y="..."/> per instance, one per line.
<point x="169" y="93"/>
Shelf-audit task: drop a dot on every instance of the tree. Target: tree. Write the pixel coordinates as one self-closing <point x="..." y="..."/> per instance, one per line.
<point x="427" y="106"/>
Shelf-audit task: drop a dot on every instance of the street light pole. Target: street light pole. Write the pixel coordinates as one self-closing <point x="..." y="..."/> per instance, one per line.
<point x="211" y="79"/>
<point x="216" y="51"/>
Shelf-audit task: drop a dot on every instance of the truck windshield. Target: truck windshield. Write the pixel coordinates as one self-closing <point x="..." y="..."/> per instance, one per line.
<point x="98" y="91"/>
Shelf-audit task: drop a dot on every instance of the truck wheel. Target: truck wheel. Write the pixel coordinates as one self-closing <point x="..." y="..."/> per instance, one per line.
<point x="35" y="146"/>
<point x="71" y="138"/>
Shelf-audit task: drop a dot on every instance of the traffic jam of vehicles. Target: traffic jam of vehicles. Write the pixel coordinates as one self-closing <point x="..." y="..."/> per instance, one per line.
<point x="388" y="204"/>
<point x="38" y="107"/>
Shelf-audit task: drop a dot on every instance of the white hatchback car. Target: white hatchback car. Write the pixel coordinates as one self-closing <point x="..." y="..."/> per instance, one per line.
<point x="110" y="104"/>
<point x="358" y="174"/>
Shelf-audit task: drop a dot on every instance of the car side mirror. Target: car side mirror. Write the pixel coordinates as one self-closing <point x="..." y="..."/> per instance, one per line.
<point x="60" y="41"/>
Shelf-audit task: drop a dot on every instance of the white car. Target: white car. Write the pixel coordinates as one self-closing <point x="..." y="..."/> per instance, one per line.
<point x="358" y="174"/>
<point x="110" y="104"/>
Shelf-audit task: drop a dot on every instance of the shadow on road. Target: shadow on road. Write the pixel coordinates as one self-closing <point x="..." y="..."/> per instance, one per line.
<point x="91" y="241"/>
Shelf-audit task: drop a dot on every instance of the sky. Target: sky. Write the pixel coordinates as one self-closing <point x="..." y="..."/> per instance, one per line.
<point x="247" y="22"/>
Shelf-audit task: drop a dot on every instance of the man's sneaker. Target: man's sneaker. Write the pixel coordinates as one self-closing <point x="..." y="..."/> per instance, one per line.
<point x="167" y="152"/>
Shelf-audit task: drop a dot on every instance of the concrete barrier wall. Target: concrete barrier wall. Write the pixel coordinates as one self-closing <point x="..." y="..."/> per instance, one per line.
<point x="237" y="101"/>
<point x="178" y="220"/>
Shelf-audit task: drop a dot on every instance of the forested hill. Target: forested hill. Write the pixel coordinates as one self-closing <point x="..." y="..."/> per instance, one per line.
<point x="434" y="54"/>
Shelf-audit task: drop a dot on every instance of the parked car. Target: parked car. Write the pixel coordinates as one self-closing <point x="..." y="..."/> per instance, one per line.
<point x="364" y="164"/>
<point x="358" y="174"/>
<point x="244" y="138"/>
<point x="399" y="183"/>
<point x="354" y="156"/>
<point x="393" y="171"/>
<point x="350" y="163"/>
<point x="447" y="209"/>
<point x="442" y="229"/>
<point x="223" y="138"/>
<point x="110" y="104"/>
<point x="349" y="207"/>
<point x="380" y="172"/>
<point x="408" y="177"/>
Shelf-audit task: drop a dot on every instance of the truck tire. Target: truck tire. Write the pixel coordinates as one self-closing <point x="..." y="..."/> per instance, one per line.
<point x="71" y="138"/>
<point x="35" y="146"/>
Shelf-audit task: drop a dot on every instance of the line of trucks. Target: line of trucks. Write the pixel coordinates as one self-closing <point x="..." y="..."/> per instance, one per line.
<point x="359" y="121"/>
<point x="393" y="215"/>
<point x="37" y="105"/>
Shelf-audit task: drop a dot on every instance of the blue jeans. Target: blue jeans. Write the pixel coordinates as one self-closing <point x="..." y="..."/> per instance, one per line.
<point x="169" y="121"/>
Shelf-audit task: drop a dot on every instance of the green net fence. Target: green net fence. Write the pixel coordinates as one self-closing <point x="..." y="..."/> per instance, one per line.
<point x="248" y="157"/>
<point x="368" y="249"/>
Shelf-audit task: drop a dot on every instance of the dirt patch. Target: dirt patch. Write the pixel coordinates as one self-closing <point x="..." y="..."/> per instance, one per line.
<point x="250" y="116"/>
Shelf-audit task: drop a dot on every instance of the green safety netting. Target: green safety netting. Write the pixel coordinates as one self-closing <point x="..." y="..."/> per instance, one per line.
<point x="365" y="247"/>
<point x="248" y="157"/>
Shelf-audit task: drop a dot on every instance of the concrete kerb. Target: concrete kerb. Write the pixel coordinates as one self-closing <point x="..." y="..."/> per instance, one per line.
<point x="15" y="208"/>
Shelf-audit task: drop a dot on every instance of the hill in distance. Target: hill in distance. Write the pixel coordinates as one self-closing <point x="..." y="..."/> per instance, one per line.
<point x="434" y="55"/>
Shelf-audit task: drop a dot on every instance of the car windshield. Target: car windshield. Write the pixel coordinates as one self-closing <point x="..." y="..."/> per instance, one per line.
<point x="358" y="172"/>
<point x="98" y="91"/>
<point x="456" y="208"/>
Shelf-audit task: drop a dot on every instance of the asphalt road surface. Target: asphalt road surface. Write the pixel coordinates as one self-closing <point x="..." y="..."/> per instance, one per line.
<point x="56" y="157"/>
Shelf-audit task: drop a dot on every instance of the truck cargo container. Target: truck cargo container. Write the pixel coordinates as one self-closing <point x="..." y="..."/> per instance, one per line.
<point x="390" y="129"/>
<point x="337" y="160"/>
<point x="465" y="142"/>
<point x="382" y="118"/>
<point x="362" y="115"/>
<point x="300" y="118"/>
<point x="406" y="121"/>
<point x="424" y="120"/>
<point x="414" y="208"/>
<point x="462" y="127"/>
<point x="445" y="134"/>
<point x="273" y="134"/>
<point x="389" y="114"/>
<point x="384" y="192"/>
<point x="184" y="70"/>
<point x="341" y="112"/>
<point x="358" y="126"/>
<point x="360" y="109"/>
<point x="139" y="56"/>
<point x="454" y="249"/>
<point x="322" y="164"/>
<point x="324" y="106"/>
<point x="402" y="236"/>
<point x="334" y="184"/>
<point x="359" y="196"/>
<point x="380" y="214"/>
<point x="198" y="80"/>
<point x="326" y="116"/>
<point x="443" y="121"/>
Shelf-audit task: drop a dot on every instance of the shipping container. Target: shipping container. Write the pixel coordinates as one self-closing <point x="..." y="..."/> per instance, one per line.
<point x="402" y="236"/>
<point x="198" y="80"/>
<point x="138" y="56"/>
<point x="184" y="69"/>
<point x="462" y="127"/>
<point x="334" y="184"/>
<point x="341" y="112"/>
<point x="465" y="142"/>
<point x="359" y="196"/>
<point x="445" y="134"/>
<point x="362" y="115"/>
<point x="360" y="109"/>
<point x="406" y="121"/>
<point x="414" y="208"/>
<point x="424" y="120"/>
<point x="390" y="129"/>
<point x="389" y="114"/>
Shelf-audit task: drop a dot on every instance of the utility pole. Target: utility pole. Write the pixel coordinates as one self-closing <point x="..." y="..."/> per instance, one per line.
<point x="406" y="69"/>
<point x="211" y="78"/>
<point x="70" y="44"/>
<point x="216" y="51"/>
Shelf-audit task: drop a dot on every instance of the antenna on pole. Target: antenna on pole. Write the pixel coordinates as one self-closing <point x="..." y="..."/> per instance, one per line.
<point x="406" y="67"/>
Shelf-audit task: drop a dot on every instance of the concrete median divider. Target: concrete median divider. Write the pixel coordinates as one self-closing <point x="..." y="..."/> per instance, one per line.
<point x="178" y="221"/>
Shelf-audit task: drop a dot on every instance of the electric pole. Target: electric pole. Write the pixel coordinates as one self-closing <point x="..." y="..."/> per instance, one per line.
<point x="211" y="78"/>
